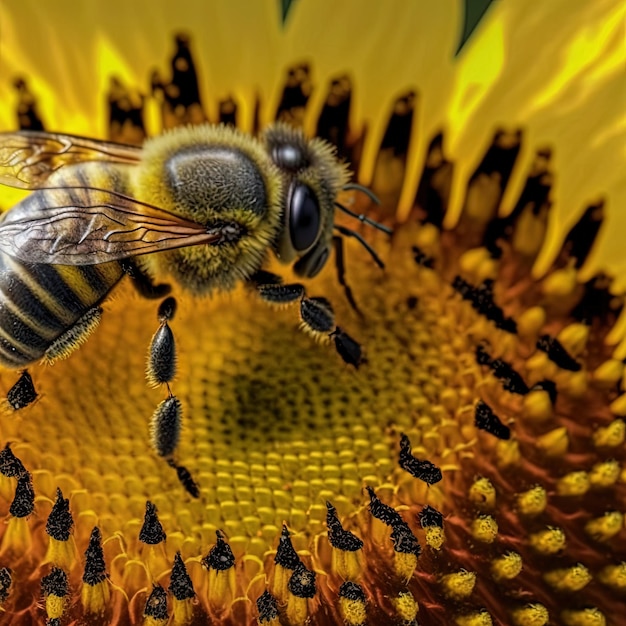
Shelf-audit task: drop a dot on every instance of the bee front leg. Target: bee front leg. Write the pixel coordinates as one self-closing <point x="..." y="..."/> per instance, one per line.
<point x="142" y="281"/>
<point x="166" y="421"/>
<point x="317" y="317"/>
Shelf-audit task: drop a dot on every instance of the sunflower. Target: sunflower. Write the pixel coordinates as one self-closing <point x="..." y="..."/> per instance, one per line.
<point x="470" y="470"/>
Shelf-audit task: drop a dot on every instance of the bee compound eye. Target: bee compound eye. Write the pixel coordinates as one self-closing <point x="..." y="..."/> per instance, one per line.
<point x="305" y="217"/>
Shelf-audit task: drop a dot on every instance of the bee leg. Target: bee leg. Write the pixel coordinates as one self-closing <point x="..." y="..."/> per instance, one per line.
<point x="166" y="421"/>
<point x="341" y="272"/>
<point x="317" y="317"/>
<point x="22" y="393"/>
<point x="142" y="281"/>
<point x="74" y="337"/>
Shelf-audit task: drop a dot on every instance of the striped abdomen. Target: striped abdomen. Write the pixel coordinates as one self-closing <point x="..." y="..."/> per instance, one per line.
<point x="38" y="303"/>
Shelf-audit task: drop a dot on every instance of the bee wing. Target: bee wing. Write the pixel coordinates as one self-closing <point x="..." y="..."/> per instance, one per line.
<point x="28" y="158"/>
<point x="87" y="226"/>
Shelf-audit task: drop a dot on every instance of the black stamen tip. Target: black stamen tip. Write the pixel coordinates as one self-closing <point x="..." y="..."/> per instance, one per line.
<point x="151" y="532"/>
<point x="220" y="557"/>
<point x="181" y="586"/>
<point x="24" y="501"/>
<point x="60" y="521"/>
<point x="95" y="568"/>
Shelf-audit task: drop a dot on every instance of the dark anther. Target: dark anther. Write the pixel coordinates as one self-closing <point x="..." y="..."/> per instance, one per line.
<point x="220" y="557"/>
<point x="24" y="501"/>
<point x="383" y="512"/>
<point x="60" y="520"/>
<point x="487" y="420"/>
<point x="429" y="517"/>
<point x="151" y="532"/>
<point x="156" y="604"/>
<point x="351" y="591"/>
<point x="6" y="578"/>
<point x="424" y="470"/>
<point x="302" y="582"/>
<point x="404" y="541"/>
<point x="10" y="465"/>
<point x="95" y="568"/>
<point x="267" y="607"/>
<point x="339" y="537"/>
<point x="286" y="556"/>
<point x="548" y="386"/>
<point x="55" y="583"/>
<point x="181" y="586"/>
<point x="557" y="353"/>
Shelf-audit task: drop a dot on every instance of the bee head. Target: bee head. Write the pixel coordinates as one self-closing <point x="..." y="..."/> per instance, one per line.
<point x="312" y="177"/>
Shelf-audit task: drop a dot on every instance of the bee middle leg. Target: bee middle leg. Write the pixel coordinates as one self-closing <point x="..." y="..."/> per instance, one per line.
<point x="165" y="425"/>
<point x="317" y="317"/>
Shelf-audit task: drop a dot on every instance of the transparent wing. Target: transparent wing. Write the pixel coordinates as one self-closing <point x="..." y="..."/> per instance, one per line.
<point x="87" y="226"/>
<point x="28" y="158"/>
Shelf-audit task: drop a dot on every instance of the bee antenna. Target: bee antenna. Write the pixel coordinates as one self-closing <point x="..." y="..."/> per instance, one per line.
<point x="356" y="187"/>
<point x="364" y="218"/>
<point x="351" y="233"/>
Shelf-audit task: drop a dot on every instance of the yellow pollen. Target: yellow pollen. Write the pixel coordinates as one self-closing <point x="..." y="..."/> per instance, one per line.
<point x="483" y="494"/>
<point x="614" y="576"/>
<point x="533" y="501"/>
<point x="618" y="406"/>
<point x="406" y="607"/>
<point x="17" y="539"/>
<point x="537" y="406"/>
<point x="584" y="617"/>
<point x="485" y="529"/>
<point x="354" y="612"/>
<point x="506" y="567"/>
<point x="221" y="588"/>
<point x="346" y="564"/>
<point x="574" y="338"/>
<point x="55" y="606"/>
<point x="95" y="598"/>
<point x="297" y="610"/>
<point x="573" y="484"/>
<point x="507" y="453"/>
<point x="560" y="283"/>
<point x="61" y="553"/>
<point x="554" y="443"/>
<point x="531" y="321"/>
<point x="435" y="537"/>
<point x="568" y="579"/>
<point x="459" y="585"/>
<point x="604" y="474"/>
<point x="610" y="436"/>
<point x="548" y="541"/>
<point x="480" y="618"/>
<point x="531" y="615"/>
<point x="605" y="527"/>
<point x="404" y="565"/>
<point x="608" y="374"/>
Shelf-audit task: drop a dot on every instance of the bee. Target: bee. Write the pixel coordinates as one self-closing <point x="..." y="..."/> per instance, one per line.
<point x="202" y="207"/>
